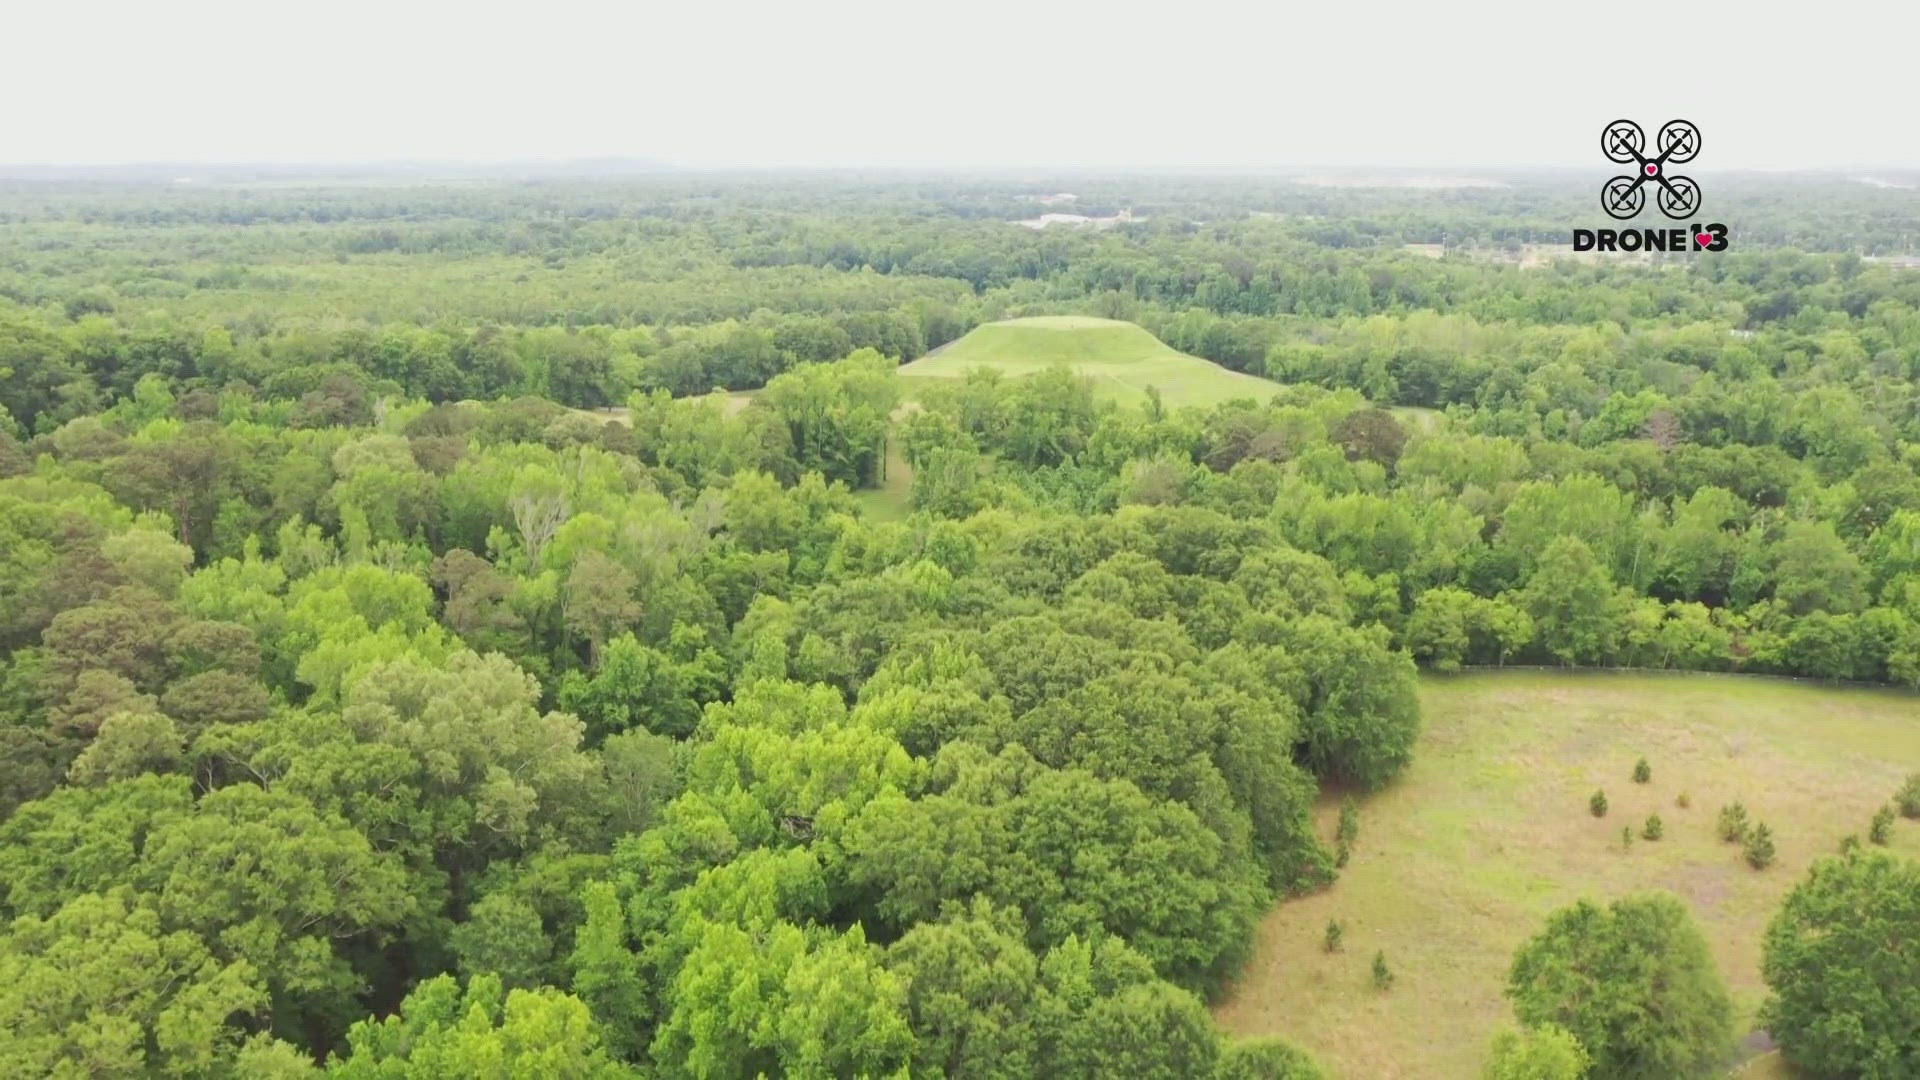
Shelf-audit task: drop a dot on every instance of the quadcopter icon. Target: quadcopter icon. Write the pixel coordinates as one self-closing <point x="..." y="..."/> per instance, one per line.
<point x="1624" y="196"/>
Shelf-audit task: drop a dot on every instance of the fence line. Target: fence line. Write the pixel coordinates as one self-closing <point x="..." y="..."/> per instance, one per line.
<point x="1609" y="669"/>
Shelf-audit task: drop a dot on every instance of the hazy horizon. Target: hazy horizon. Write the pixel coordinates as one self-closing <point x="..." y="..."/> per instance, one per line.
<point x="864" y="84"/>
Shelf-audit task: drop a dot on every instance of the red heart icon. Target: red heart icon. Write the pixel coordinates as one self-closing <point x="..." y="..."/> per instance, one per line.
<point x="1702" y="239"/>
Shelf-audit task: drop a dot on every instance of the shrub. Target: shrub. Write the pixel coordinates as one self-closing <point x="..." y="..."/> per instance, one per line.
<point x="1342" y="851"/>
<point x="1349" y="829"/>
<point x="1547" y="1052"/>
<point x="1334" y="933"/>
<point x="1760" y="847"/>
<point x="1909" y="797"/>
<point x="1382" y="977"/>
<point x="1881" y="830"/>
<point x="1642" y="772"/>
<point x="1732" y="825"/>
<point x="1598" y="804"/>
<point x="1683" y="800"/>
<point x="1849" y="843"/>
<point x="1626" y="837"/>
<point x="1653" y="830"/>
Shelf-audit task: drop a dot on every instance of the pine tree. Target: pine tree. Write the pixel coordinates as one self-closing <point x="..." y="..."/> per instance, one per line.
<point x="1382" y="977"/>
<point x="1909" y="797"/>
<point x="1334" y="933"/>
<point x="1881" y="831"/>
<point x="1642" y="772"/>
<point x="1598" y="804"/>
<point x="1760" y="847"/>
<point x="1732" y="825"/>
<point x="1653" y="830"/>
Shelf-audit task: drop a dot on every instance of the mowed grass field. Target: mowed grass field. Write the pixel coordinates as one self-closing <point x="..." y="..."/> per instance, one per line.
<point x="1462" y="859"/>
<point x="1121" y="358"/>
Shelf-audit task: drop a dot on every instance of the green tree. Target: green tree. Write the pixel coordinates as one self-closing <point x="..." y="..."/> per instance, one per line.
<point x="1571" y="600"/>
<point x="481" y="1032"/>
<point x="1634" y="983"/>
<point x="101" y="988"/>
<point x="1845" y="979"/>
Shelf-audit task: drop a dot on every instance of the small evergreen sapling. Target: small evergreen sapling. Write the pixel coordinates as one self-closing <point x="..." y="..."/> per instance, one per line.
<point x="1881" y="831"/>
<point x="1849" y="843"/>
<point x="1653" y="830"/>
<point x="1642" y="772"/>
<point x="1626" y="838"/>
<point x="1382" y="976"/>
<point x="1732" y="825"/>
<point x="1909" y="797"/>
<point x="1334" y="933"/>
<point x="1598" y="804"/>
<point x="1349" y="828"/>
<point x="1683" y="800"/>
<point x="1760" y="847"/>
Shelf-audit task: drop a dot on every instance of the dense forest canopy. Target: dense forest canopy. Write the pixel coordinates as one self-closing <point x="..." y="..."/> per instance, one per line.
<point x="412" y="665"/>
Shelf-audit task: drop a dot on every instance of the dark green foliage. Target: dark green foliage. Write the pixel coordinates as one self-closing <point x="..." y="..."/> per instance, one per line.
<point x="1642" y="772"/>
<point x="1759" y="847"/>
<point x="1597" y="805"/>
<point x="1731" y="826"/>
<point x="1653" y="829"/>
<point x="1626" y="838"/>
<point x="1633" y="982"/>
<point x="1844" y="975"/>
<point x="1382" y="975"/>
<point x="1849" y="843"/>
<point x="1331" y="940"/>
<point x="1881" y="831"/>
<point x="1349" y="827"/>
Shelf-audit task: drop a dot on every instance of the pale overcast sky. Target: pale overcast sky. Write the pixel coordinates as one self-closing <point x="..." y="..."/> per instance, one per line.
<point x="1027" y="83"/>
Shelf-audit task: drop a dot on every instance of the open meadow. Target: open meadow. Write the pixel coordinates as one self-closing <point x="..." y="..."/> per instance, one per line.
<point x="1122" y="359"/>
<point x="1488" y="831"/>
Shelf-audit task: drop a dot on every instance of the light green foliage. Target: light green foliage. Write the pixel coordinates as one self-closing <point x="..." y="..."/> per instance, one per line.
<point x="1759" y="847"/>
<point x="1265" y="1059"/>
<point x="1633" y="982"/>
<point x="480" y="1032"/>
<point x="972" y="986"/>
<point x="1123" y="360"/>
<point x="100" y="987"/>
<point x="1546" y="1052"/>
<point x="1846" y="988"/>
<point x="1571" y="600"/>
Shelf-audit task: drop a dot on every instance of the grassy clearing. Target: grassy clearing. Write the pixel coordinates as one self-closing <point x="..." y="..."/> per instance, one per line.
<point x="1462" y="859"/>
<point x="1121" y="358"/>
<point x="892" y="500"/>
